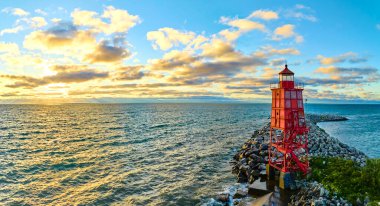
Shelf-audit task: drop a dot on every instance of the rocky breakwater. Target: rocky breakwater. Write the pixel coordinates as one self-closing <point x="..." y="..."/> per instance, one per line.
<point x="322" y="144"/>
<point x="249" y="163"/>
<point x="313" y="193"/>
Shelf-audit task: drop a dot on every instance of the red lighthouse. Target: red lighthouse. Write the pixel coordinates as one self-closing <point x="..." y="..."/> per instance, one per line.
<point x="288" y="132"/>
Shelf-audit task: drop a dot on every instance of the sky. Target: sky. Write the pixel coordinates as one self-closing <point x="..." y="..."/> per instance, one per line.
<point x="143" y="51"/>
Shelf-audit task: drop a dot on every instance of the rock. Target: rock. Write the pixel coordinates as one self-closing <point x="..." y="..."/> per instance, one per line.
<point x="252" y="179"/>
<point x="323" y="192"/>
<point x="240" y="194"/>
<point x="224" y="197"/>
<point x="358" y="202"/>
<point x="255" y="173"/>
<point x="264" y="147"/>
<point x="366" y="200"/>
<point x="313" y="193"/>
<point x="242" y="177"/>
<point x="254" y="157"/>
<point x="236" y="202"/>
<point x="262" y="167"/>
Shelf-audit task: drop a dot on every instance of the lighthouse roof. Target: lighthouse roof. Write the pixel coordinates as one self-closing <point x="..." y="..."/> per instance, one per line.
<point x="286" y="70"/>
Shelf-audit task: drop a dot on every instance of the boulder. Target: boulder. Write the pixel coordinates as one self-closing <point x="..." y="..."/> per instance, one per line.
<point x="224" y="197"/>
<point x="240" y="194"/>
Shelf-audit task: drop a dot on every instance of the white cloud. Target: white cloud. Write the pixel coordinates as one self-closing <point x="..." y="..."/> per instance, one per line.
<point x="264" y="14"/>
<point x="301" y="6"/>
<point x="166" y="38"/>
<point x="15" y="11"/>
<point x="120" y="21"/>
<point x="56" y="20"/>
<point x="36" y="22"/>
<point x="301" y="12"/>
<point x="40" y="11"/>
<point x="11" y="30"/>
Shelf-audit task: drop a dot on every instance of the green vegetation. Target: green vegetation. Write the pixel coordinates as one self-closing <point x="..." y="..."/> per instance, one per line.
<point x="347" y="178"/>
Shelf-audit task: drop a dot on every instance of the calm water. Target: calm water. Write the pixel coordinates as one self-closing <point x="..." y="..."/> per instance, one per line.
<point x="361" y="131"/>
<point x="139" y="154"/>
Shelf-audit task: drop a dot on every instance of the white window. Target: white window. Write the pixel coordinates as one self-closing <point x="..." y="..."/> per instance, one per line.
<point x="299" y="95"/>
<point x="300" y="104"/>
<point x="294" y="95"/>
<point x="287" y="103"/>
<point x="287" y="94"/>
<point x="286" y="77"/>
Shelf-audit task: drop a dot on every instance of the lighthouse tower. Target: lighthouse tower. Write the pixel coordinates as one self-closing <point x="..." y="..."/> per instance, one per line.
<point x="288" y="132"/>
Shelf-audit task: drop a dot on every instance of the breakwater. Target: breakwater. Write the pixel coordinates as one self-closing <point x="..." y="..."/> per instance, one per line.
<point x="249" y="162"/>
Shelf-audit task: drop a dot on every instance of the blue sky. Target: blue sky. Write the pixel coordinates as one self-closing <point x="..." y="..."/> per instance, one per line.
<point x="147" y="49"/>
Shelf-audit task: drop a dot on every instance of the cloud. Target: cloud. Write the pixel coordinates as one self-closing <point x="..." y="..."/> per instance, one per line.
<point x="15" y="11"/>
<point x="129" y="73"/>
<point x="344" y="75"/>
<point x="277" y="62"/>
<point x="40" y="11"/>
<point x="62" y="38"/>
<point x="56" y="20"/>
<point x="286" y="31"/>
<point x="264" y="14"/>
<point x="238" y="28"/>
<point x="36" y="22"/>
<point x="267" y="51"/>
<point x="301" y="12"/>
<point x="217" y="48"/>
<point x="107" y="53"/>
<point x="165" y="38"/>
<point x="13" y="30"/>
<point x="244" y="25"/>
<point x="120" y="21"/>
<point x="66" y="39"/>
<point x="352" y="71"/>
<point x="64" y="74"/>
<point x="9" y="48"/>
<point x="172" y="59"/>
<point x="346" y="57"/>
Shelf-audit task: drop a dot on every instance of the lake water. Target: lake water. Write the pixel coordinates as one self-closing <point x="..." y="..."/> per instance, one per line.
<point x="140" y="154"/>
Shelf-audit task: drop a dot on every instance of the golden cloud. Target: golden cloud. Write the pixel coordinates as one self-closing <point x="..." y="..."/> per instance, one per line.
<point x="286" y="31"/>
<point x="264" y="14"/>
<point x="120" y="20"/>
<point x="346" y="57"/>
<point x="50" y="42"/>
<point x="71" y="74"/>
<point x="239" y="27"/>
<point x="107" y="53"/>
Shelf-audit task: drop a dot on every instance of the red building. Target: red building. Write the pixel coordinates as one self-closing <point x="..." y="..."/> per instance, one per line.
<point x="288" y="151"/>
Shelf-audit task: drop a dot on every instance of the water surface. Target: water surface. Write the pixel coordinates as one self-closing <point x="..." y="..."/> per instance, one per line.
<point x="138" y="154"/>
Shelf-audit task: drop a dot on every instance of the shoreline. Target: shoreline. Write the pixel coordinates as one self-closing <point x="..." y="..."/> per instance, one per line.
<point x="249" y="162"/>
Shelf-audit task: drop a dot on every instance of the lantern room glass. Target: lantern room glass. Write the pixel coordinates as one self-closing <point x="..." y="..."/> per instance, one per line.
<point x="286" y="77"/>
